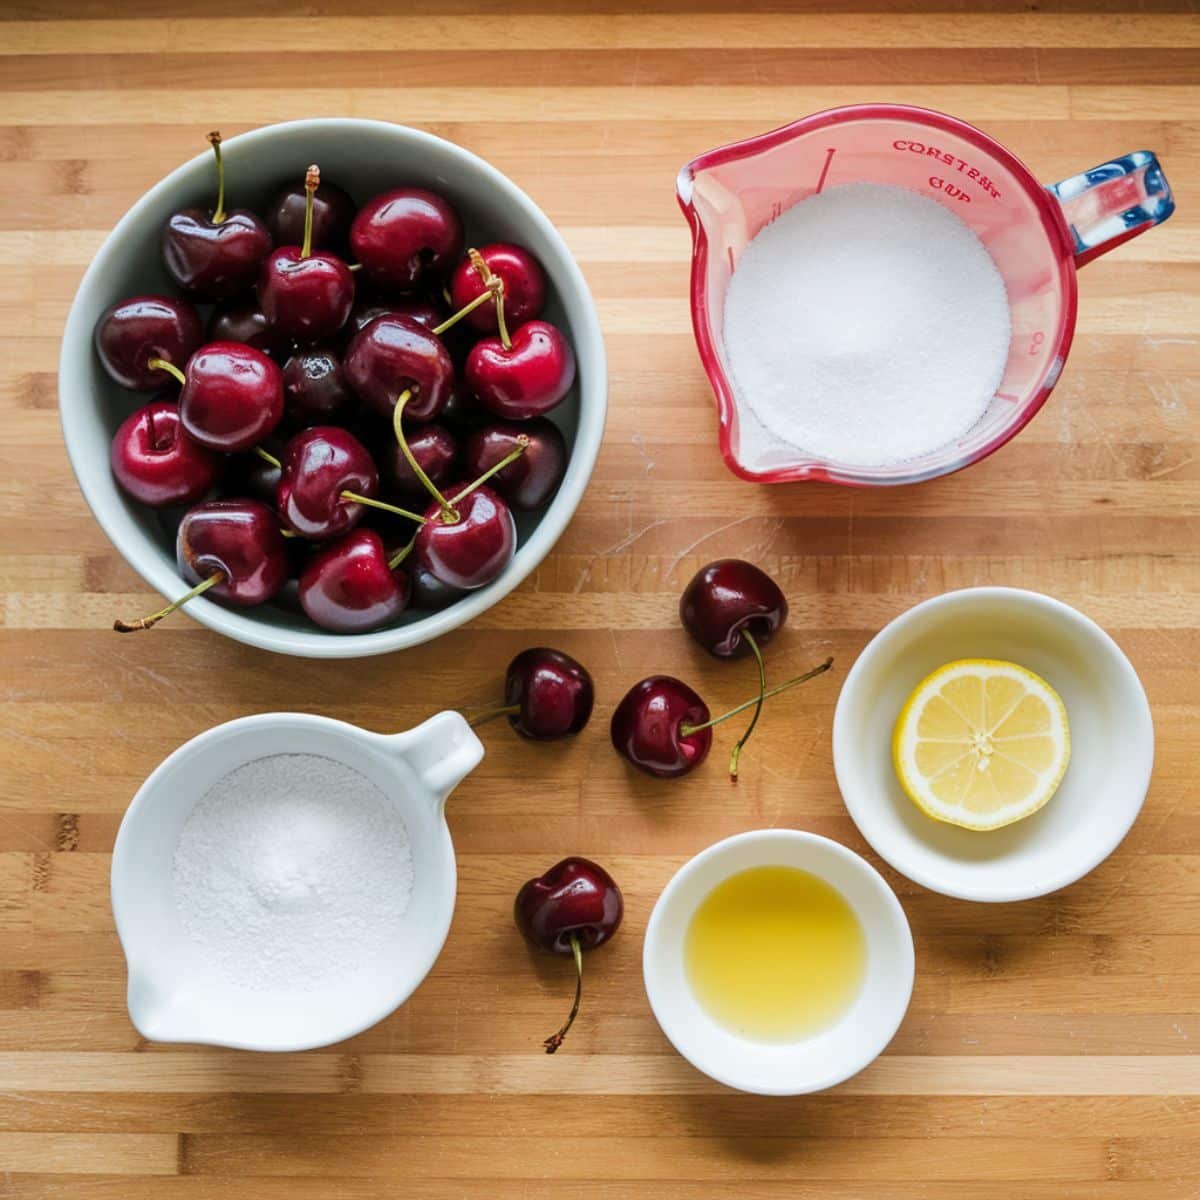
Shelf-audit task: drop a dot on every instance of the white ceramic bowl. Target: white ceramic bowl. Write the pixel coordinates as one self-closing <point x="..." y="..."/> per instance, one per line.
<point x="175" y="992"/>
<point x="1112" y="744"/>
<point x="813" y="1063"/>
<point x="365" y="157"/>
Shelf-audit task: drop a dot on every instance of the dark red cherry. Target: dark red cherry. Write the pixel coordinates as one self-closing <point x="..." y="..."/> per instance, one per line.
<point x="305" y="297"/>
<point x="435" y="450"/>
<point x="241" y="541"/>
<point x="349" y="586"/>
<point x="727" y="599"/>
<point x="572" y="908"/>
<point x="255" y="476"/>
<point x="242" y="320"/>
<point x="155" y="462"/>
<point x="655" y="727"/>
<point x="429" y="592"/>
<point x="393" y="355"/>
<point x="232" y="396"/>
<point x="551" y="692"/>
<point x="215" y="254"/>
<point x="525" y="380"/>
<point x="524" y="285"/>
<point x="143" y="328"/>
<point x="319" y="465"/>
<point x="472" y="551"/>
<point x="406" y="237"/>
<point x="333" y="210"/>
<point x="529" y="481"/>
<point x="315" y="390"/>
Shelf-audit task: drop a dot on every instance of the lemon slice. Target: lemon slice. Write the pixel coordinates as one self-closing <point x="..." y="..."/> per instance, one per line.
<point x="981" y="743"/>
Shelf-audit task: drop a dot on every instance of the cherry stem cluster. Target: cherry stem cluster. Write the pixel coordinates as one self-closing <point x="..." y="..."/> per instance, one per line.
<point x="555" y="1040"/>
<point x="495" y="286"/>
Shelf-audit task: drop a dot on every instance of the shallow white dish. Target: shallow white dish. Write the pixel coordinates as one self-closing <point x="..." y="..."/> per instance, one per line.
<point x="175" y="992"/>
<point x="810" y="1064"/>
<point x="365" y="157"/>
<point x="1112" y="744"/>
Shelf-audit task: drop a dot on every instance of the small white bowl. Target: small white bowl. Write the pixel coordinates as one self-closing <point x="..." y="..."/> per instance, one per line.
<point x="1112" y="744"/>
<point x="365" y="157"/>
<point x="809" y="1064"/>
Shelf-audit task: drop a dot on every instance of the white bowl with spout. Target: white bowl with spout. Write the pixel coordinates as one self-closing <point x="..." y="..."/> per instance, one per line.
<point x="176" y="992"/>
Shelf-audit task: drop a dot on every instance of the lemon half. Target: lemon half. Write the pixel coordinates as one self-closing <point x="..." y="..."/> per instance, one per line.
<point x="981" y="743"/>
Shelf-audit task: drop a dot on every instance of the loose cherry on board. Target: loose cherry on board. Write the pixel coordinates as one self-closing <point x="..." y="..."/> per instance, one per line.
<point x="315" y="389"/>
<point x="547" y="695"/>
<point x="231" y="548"/>
<point x="232" y="395"/>
<point x="572" y="908"/>
<point x="351" y="586"/>
<point x="523" y="294"/>
<point x="392" y="355"/>
<point x="155" y="462"/>
<point x="406" y="237"/>
<point x="332" y="212"/>
<point x="525" y="378"/>
<point x="306" y="294"/>
<point x="529" y="481"/>
<point x="663" y="728"/>
<point x="136" y="332"/>
<point x="214" y="255"/>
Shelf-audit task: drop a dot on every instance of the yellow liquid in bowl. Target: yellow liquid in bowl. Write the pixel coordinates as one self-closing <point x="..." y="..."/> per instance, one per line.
<point x="775" y="954"/>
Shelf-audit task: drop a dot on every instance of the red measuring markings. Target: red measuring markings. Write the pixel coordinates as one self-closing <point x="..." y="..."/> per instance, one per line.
<point x="951" y="160"/>
<point x="825" y="169"/>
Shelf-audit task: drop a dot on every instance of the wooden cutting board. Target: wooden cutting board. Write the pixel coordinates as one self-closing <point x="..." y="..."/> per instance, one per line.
<point x="1049" y="1052"/>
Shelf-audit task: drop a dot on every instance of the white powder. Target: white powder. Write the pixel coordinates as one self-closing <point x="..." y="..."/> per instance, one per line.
<point x="867" y="325"/>
<point x="291" y="871"/>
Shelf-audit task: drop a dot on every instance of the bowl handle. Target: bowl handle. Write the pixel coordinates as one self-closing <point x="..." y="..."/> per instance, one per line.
<point x="1113" y="202"/>
<point x="442" y="751"/>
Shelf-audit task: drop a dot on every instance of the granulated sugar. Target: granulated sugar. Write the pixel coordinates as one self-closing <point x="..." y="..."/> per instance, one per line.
<point x="867" y="325"/>
<point x="292" y="871"/>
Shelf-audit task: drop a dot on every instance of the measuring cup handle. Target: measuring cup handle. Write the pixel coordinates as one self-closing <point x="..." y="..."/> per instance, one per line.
<point x="442" y="751"/>
<point x="1113" y="202"/>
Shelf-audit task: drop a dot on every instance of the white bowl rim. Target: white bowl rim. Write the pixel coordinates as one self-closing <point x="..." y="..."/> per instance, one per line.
<point x="315" y="643"/>
<point x="885" y="1030"/>
<point x="842" y="747"/>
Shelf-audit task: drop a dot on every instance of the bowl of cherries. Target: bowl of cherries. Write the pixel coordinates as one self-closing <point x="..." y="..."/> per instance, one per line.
<point x="337" y="386"/>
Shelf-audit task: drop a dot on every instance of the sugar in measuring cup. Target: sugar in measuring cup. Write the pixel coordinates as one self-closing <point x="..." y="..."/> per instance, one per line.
<point x="1037" y="236"/>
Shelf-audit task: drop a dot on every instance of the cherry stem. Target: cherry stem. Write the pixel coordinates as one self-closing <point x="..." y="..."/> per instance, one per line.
<point x="688" y="730"/>
<point x="402" y="554"/>
<point x="449" y="513"/>
<point x="748" y="638"/>
<point x="268" y="457"/>
<point x="495" y="285"/>
<point x="380" y="504"/>
<point x="312" y="181"/>
<point x="512" y="456"/>
<point x="161" y="364"/>
<point x="214" y="140"/>
<point x="466" y="309"/>
<point x="488" y="714"/>
<point x="553" y="1042"/>
<point x="147" y="622"/>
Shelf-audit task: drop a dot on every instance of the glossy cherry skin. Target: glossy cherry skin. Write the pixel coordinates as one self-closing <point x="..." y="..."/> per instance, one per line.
<point x="239" y="538"/>
<point x="727" y="598"/>
<point x="429" y="592"/>
<point x="214" y="262"/>
<point x="155" y="462"/>
<point x="405" y="237"/>
<point x="576" y="897"/>
<point x="134" y="331"/>
<point x="348" y="587"/>
<point x="554" y="693"/>
<point x="392" y="355"/>
<point x="333" y="211"/>
<point x="529" y="481"/>
<point x="524" y="287"/>
<point x="646" y="727"/>
<point x="233" y="396"/>
<point x="526" y="381"/>
<point x="435" y="449"/>
<point x="315" y="390"/>
<point x="307" y="298"/>
<point x="318" y="465"/>
<point x="472" y="551"/>
<point x="243" y="320"/>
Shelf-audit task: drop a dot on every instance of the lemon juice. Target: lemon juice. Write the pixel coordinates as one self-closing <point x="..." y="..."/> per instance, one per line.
<point x="775" y="954"/>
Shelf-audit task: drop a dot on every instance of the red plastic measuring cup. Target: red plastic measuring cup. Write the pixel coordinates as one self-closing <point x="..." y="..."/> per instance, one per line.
<point x="1038" y="237"/>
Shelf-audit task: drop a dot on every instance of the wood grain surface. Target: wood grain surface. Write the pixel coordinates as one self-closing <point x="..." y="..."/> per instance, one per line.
<point x="1049" y="1053"/>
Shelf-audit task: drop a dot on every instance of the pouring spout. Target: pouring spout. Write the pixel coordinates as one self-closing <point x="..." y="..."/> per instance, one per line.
<point x="442" y="751"/>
